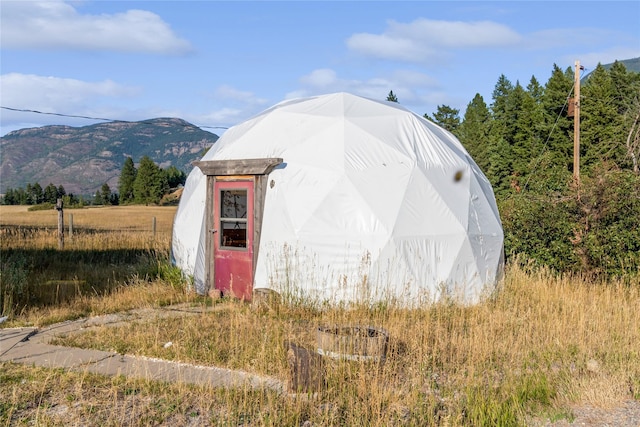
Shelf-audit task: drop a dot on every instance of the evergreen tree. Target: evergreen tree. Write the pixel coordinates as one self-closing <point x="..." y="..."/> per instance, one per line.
<point x="535" y="90"/>
<point x="474" y="131"/>
<point x="61" y="191"/>
<point x="534" y="103"/>
<point x="115" y="199"/>
<point x="150" y="184"/>
<point x="500" y="95"/>
<point x="446" y="117"/>
<point x="175" y="176"/>
<point x="500" y="164"/>
<point x="392" y="97"/>
<point x="105" y="194"/>
<point x="35" y="194"/>
<point x="500" y="150"/>
<point x="9" y="197"/>
<point x="521" y="127"/>
<point x="70" y="200"/>
<point x="97" y="198"/>
<point x="23" y="197"/>
<point x="623" y="86"/>
<point x="600" y="122"/>
<point x="125" y="183"/>
<point x="558" y="127"/>
<point x="627" y="99"/>
<point x="51" y="194"/>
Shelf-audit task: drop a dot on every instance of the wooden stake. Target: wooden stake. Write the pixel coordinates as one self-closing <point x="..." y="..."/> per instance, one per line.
<point x="576" y="125"/>
<point x="59" y="205"/>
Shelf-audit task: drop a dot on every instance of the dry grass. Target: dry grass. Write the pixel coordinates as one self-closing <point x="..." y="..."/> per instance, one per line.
<point x="111" y="247"/>
<point x="542" y="344"/>
<point x="105" y="217"/>
<point x="101" y="228"/>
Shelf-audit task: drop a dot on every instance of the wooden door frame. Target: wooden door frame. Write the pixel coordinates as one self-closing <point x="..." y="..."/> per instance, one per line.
<point x="256" y="170"/>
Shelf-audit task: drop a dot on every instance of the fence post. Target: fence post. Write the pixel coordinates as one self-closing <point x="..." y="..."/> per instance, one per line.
<point x="153" y="227"/>
<point x="70" y="226"/>
<point x="59" y="208"/>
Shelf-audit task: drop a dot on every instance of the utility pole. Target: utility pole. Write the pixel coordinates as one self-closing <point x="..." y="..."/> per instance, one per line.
<point x="576" y="124"/>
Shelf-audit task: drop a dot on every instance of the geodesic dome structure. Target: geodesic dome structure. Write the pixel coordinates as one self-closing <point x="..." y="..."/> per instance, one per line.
<point x="371" y="202"/>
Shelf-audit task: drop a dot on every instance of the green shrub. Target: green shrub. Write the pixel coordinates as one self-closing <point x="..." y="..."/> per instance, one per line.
<point x="171" y="274"/>
<point x="41" y="207"/>
<point x="592" y="229"/>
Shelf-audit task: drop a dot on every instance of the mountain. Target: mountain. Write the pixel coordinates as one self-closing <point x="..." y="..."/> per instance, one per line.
<point x="632" y="64"/>
<point x="83" y="158"/>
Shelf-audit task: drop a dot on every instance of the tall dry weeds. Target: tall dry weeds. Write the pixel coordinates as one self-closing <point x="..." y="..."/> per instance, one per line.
<point x="540" y="344"/>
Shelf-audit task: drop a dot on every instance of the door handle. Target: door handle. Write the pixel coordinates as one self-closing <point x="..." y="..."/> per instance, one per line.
<point x="213" y="230"/>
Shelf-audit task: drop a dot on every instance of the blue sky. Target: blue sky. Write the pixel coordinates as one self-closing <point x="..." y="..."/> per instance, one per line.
<point x="216" y="63"/>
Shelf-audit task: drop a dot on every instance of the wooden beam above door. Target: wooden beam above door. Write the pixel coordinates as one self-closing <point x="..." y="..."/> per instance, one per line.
<point x="237" y="167"/>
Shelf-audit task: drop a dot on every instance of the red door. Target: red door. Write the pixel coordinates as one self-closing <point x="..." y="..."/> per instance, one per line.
<point x="233" y="239"/>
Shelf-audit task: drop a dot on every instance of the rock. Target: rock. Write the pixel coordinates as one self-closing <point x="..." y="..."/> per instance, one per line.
<point x="593" y="366"/>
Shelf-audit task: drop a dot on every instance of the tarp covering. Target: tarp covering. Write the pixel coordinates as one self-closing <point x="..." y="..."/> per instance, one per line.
<point x="372" y="203"/>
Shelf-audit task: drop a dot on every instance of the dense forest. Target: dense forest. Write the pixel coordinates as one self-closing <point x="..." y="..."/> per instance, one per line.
<point x="524" y="142"/>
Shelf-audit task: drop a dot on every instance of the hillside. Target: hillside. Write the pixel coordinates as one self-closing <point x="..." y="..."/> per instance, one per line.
<point x="632" y="65"/>
<point x="83" y="158"/>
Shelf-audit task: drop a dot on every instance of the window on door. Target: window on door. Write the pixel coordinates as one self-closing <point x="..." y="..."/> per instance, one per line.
<point x="233" y="218"/>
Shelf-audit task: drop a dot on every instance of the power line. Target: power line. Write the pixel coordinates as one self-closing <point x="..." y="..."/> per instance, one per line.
<point x="74" y="116"/>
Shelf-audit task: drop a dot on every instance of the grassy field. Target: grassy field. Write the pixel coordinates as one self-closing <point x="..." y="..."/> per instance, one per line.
<point x="543" y="344"/>
<point x="108" y="248"/>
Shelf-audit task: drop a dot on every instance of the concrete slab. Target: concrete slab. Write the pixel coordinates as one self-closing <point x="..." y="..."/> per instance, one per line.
<point x="46" y="334"/>
<point x="10" y="337"/>
<point x="170" y="371"/>
<point x="53" y="356"/>
<point x="31" y="346"/>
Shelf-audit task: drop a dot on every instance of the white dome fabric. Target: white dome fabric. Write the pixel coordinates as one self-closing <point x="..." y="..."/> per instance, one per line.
<point x="372" y="203"/>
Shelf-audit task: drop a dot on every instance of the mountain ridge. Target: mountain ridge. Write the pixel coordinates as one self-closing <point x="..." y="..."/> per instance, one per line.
<point x="83" y="158"/>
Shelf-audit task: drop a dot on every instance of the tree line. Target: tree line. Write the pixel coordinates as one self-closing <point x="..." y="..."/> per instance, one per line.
<point x="146" y="184"/>
<point x="523" y="142"/>
<point x="34" y="194"/>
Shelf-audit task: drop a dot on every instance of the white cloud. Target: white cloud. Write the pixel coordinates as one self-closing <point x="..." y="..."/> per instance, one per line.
<point x="391" y="47"/>
<point x="426" y="39"/>
<point x="325" y="80"/>
<point x="58" y="25"/>
<point x="223" y="117"/>
<point x="417" y="91"/>
<point x="456" y="34"/>
<point x="323" y="77"/>
<point x="228" y="93"/>
<point x="57" y="95"/>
